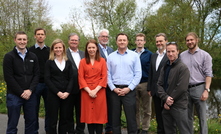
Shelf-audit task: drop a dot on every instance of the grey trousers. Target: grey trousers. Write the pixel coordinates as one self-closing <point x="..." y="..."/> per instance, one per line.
<point x="176" y="117"/>
<point x="194" y="99"/>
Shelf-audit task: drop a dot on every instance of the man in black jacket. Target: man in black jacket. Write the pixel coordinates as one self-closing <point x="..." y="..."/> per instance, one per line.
<point x="172" y="89"/>
<point x="21" y="73"/>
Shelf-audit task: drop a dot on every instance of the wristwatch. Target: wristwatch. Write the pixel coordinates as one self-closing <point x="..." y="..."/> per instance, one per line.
<point x="208" y="90"/>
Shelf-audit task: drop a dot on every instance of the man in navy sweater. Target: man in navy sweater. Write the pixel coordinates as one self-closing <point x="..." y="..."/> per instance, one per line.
<point x="143" y="100"/>
<point x="42" y="52"/>
<point x="21" y="74"/>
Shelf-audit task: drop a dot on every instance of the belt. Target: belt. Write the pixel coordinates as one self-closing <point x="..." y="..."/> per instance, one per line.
<point x="121" y="86"/>
<point x="190" y="86"/>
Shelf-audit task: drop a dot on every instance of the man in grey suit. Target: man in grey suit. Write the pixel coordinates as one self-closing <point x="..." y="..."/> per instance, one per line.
<point x="158" y="60"/>
<point x="75" y="55"/>
<point x="103" y="38"/>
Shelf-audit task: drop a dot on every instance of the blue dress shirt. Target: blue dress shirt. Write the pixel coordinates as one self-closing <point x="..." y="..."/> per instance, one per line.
<point x="124" y="69"/>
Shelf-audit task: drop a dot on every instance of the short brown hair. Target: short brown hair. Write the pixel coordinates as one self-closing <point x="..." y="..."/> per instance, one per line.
<point x="122" y="34"/>
<point x="161" y="34"/>
<point x="19" y="33"/>
<point x="141" y="35"/>
<point x="39" y="28"/>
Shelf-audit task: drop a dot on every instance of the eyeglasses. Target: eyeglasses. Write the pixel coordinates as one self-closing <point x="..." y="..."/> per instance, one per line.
<point x="173" y="42"/>
<point x="104" y="36"/>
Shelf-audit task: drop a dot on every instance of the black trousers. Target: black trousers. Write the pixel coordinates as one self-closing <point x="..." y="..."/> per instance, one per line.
<point x="129" y="105"/>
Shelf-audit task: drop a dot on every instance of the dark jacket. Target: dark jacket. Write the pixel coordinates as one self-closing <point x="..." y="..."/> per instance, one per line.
<point x="58" y="80"/>
<point x="178" y="80"/>
<point x="20" y="75"/>
<point x="145" y="58"/>
<point x="75" y="70"/>
<point x="154" y="74"/>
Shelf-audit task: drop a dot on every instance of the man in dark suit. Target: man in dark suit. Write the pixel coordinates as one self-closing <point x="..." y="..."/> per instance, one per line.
<point x="75" y="55"/>
<point x="103" y="38"/>
<point x="158" y="59"/>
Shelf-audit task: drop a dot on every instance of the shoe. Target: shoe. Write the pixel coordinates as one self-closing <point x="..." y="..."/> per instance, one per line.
<point x="144" y="132"/>
<point x="109" y="132"/>
<point x="138" y="131"/>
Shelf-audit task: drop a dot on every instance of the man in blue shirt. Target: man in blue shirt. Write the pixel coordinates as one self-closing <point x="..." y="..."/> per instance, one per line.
<point x="143" y="99"/>
<point x="124" y="74"/>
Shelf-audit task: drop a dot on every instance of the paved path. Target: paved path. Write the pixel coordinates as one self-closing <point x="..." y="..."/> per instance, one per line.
<point x="3" y="125"/>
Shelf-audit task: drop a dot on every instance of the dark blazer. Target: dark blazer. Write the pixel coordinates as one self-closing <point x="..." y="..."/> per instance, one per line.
<point x="109" y="50"/>
<point x="75" y="70"/>
<point x="153" y="74"/>
<point x="58" y="80"/>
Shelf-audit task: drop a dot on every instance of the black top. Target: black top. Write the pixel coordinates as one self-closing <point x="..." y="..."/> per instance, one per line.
<point x="43" y="55"/>
<point x="20" y="75"/>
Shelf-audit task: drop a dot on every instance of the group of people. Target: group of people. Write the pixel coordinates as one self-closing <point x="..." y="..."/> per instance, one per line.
<point x="93" y="86"/>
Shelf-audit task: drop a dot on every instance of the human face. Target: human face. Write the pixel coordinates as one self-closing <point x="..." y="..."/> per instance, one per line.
<point x="92" y="49"/>
<point x="73" y="42"/>
<point x="172" y="53"/>
<point x="21" y="41"/>
<point x="122" y="42"/>
<point x="161" y="43"/>
<point x="40" y="36"/>
<point x="191" y="42"/>
<point x="58" y="49"/>
<point x="140" y="42"/>
<point x="103" y="38"/>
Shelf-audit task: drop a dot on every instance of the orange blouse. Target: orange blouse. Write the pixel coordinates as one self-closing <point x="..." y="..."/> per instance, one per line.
<point x="93" y="110"/>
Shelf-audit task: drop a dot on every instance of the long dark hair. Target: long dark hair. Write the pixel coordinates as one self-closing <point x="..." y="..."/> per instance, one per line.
<point x="97" y="56"/>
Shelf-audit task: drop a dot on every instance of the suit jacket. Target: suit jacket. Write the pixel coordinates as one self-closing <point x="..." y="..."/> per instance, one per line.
<point x="75" y="70"/>
<point x="153" y="74"/>
<point x="109" y="50"/>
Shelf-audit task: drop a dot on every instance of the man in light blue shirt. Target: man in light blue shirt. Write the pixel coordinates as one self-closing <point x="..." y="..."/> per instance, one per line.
<point x="124" y="74"/>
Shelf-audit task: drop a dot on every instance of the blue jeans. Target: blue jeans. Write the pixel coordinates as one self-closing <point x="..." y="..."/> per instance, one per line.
<point x="41" y="90"/>
<point x="14" y="104"/>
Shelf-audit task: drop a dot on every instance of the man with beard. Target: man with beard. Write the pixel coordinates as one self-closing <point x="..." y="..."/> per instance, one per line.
<point x="103" y="38"/>
<point x="199" y="63"/>
<point x="158" y="60"/>
<point x="75" y="55"/>
<point x="42" y="52"/>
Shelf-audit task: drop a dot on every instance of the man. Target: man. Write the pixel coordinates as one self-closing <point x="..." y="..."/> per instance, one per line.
<point x="143" y="100"/>
<point x="158" y="60"/>
<point x="199" y="63"/>
<point x="172" y="89"/>
<point x="75" y="55"/>
<point x="124" y="73"/>
<point x="42" y="52"/>
<point x="103" y="38"/>
<point x="21" y="74"/>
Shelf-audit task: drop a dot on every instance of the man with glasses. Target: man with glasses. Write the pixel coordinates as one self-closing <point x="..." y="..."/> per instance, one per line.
<point x="158" y="60"/>
<point x="143" y="100"/>
<point x="103" y="38"/>
<point x="75" y="55"/>
<point x="172" y="89"/>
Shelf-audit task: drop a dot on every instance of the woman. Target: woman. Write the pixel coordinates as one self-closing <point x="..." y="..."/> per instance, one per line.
<point x="93" y="80"/>
<point x="59" y="79"/>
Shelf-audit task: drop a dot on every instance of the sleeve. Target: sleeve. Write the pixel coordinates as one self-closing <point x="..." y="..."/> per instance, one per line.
<point x="109" y="70"/>
<point x="103" y="81"/>
<point x="161" y="92"/>
<point x="137" y="73"/>
<point x="81" y="74"/>
<point x="150" y="76"/>
<point x="47" y="78"/>
<point x="208" y="66"/>
<point x="8" y="75"/>
<point x="36" y="75"/>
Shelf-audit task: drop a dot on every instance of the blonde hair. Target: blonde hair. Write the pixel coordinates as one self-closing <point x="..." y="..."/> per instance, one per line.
<point x="52" y="55"/>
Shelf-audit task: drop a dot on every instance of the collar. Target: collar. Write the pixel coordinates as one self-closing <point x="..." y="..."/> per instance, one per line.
<point x="37" y="46"/>
<point x="73" y="51"/>
<point x="19" y="51"/>
<point x="164" y="52"/>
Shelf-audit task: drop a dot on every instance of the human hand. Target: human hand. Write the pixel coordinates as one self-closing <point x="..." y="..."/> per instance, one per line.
<point x="169" y="101"/>
<point x="204" y="96"/>
<point x="26" y="94"/>
<point x="166" y="106"/>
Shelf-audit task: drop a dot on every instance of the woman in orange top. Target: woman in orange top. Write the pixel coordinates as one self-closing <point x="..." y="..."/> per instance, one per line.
<point x="92" y="75"/>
